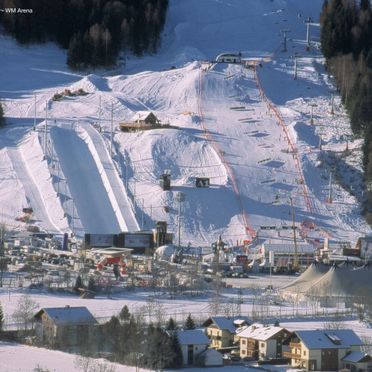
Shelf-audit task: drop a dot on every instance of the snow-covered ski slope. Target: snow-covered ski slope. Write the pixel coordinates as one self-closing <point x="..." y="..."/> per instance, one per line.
<point x="249" y="131"/>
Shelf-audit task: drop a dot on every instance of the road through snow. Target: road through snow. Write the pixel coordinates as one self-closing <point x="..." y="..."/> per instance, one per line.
<point x="85" y="183"/>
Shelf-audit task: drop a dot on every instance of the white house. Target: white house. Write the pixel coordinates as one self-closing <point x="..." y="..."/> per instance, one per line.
<point x="192" y="342"/>
<point x="263" y="342"/>
<point x="210" y="358"/>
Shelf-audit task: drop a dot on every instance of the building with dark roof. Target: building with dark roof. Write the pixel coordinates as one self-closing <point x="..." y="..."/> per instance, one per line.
<point x="67" y="328"/>
<point x="221" y="329"/>
<point x="322" y="350"/>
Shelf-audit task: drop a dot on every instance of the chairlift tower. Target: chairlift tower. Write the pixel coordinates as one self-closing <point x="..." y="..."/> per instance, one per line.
<point x="46" y="130"/>
<point x="312" y="105"/>
<point x="285" y="32"/>
<point x="330" y="189"/>
<point x="308" y="22"/>
<point x="180" y="197"/>
<point x="295" y="68"/>
<point x="295" y="263"/>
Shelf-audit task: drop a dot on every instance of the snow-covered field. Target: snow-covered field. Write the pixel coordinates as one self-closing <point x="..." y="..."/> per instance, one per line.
<point x="22" y="358"/>
<point x="228" y="130"/>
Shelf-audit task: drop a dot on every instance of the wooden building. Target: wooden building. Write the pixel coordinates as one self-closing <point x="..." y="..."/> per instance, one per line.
<point x="221" y="330"/>
<point x="141" y="120"/>
<point x="322" y="350"/>
<point x="67" y="328"/>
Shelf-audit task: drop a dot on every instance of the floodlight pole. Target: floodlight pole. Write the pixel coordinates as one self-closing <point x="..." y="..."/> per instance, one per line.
<point x="330" y="189"/>
<point x="308" y="23"/>
<point x="285" y="31"/>
<point x="99" y="112"/>
<point x="295" y="68"/>
<point x="180" y="198"/>
<point x="46" y="129"/>
<point x="112" y="128"/>
<point x="34" y="111"/>
<point x="295" y="262"/>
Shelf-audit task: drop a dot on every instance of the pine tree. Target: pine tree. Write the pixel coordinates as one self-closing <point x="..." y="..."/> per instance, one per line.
<point x="177" y="352"/>
<point x="92" y="284"/>
<point x="76" y="51"/>
<point x="124" y="313"/>
<point x="78" y="283"/>
<point x="1" y="317"/>
<point x="112" y="332"/>
<point x="2" y="119"/>
<point x="189" y="324"/>
<point x="159" y="353"/>
<point x="171" y="325"/>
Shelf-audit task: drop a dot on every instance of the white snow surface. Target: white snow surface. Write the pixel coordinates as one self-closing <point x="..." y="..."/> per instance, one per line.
<point x="227" y="130"/>
<point x="22" y="358"/>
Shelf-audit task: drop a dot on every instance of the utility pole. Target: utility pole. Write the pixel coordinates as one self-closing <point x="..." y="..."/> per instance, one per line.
<point x="330" y="189"/>
<point x="295" y="262"/>
<point x="126" y="176"/>
<point x="308" y="23"/>
<point x="143" y="207"/>
<point x="295" y="68"/>
<point x="46" y="129"/>
<point x="73" y="217"/>
<point x="285" y="32"/>
<point x="180" y="197"/>
<point x="112" y="128"/>
<point x="99" y="112"/>
<point x="34" y="111"/>
<point x="312" y="105"/>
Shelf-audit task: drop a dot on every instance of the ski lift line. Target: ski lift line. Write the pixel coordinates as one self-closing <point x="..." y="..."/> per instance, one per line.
<point x="249" y="230"/>
<point x="280" y="121"/>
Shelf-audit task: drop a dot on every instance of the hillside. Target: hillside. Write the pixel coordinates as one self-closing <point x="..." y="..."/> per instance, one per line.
<point x="247" y="129"/>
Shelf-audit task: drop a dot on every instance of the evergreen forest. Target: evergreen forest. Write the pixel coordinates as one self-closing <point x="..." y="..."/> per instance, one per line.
<point x="346" y="41"/>
<point x="93" y="31"/>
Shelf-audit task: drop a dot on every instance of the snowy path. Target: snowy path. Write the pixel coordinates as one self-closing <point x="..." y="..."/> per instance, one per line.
<point x="113" y="184"/>
<point x="31" y="189"/>
<point x="85" y="183"/>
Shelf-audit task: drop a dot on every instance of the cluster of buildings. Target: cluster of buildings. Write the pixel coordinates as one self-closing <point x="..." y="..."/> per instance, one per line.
<point x="224" y="340"/>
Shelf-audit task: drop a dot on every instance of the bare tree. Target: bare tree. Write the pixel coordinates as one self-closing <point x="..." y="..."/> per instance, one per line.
<point x="25" y="310"/>
<point x="86" y="364"/>
<point x="38" y="368"/>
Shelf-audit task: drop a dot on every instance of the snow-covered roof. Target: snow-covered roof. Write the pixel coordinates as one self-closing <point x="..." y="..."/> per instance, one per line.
<point x="288" y="247"/>
<point x="68" y="315"/>
<point x="356" y="356"/>
<point x="141" y="115"/>
<point x="260" y="332"/>
<point x="329" y="339"/>
<point x="192" y="337"/>
<point x="165" y="251"/>
<point x="225" y="323"/>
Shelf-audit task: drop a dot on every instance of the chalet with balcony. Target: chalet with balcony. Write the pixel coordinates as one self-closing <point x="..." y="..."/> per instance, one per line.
<point x="221" y="330"/>
<point x="263" y="342"/>
<point x="322" y="350"/>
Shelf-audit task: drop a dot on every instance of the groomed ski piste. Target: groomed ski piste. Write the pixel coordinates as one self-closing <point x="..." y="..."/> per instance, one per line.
<point x="246" y="128"/>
